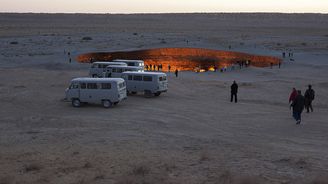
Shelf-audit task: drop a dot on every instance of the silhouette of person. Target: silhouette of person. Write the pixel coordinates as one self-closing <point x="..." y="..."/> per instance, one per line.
<point x="234" y="91"/>
<point x="298" y="106"/>
<point x="176" y="72"/>
<point x="309" y="97"/>
<point x="292" y="95"/>
<point x="169" y="67"/>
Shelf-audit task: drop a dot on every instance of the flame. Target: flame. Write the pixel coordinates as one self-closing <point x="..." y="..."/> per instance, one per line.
<point x="183" y="58"/>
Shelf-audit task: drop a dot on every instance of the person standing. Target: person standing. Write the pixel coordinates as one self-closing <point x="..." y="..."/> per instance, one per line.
<point x="292" y="96"/>
<point x="309" y="97"/>
<point x="298" y="106"/>
<point x="234" y="91"/>
<point x="176" y="72"/>
<point x="169" y="67"/>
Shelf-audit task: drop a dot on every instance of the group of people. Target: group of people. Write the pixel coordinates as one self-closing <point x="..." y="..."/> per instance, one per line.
<point x="154" y="67"/>
<point x="160" y="68"/>
<point x="298" y="102"/>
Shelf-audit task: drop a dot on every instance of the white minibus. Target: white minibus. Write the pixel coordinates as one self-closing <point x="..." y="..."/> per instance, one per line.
<point x="97" y="69"/>
<point x="139" y="63"/>
<point x="116" y="71"/>
<point x="105" y="91"/>
<point x="146" y="82"/>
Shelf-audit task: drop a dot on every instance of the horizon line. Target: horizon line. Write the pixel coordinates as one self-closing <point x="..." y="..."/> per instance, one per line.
<point x="141" y="13"/>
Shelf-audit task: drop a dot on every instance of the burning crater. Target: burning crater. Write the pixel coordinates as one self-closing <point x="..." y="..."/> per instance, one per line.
<point x="183" y="58"/>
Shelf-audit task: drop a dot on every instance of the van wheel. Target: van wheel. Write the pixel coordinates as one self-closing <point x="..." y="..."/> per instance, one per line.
<point x="147" y="93"/>
<point x="107" y="103"/>
<point x="76" y="103"/>
<point x="95" y="76"/>
<point x="115" y="103"/>
<point x="133" y="92"/>
<point x="157" y="93"/>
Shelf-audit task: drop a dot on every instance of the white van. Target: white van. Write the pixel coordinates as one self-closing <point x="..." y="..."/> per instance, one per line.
<point x="140" y="63"/>
<point x="106" y="91"/>
<point x="97" y="69"/>
<point x="147" y="82"/>
<point x="116" y="71"/>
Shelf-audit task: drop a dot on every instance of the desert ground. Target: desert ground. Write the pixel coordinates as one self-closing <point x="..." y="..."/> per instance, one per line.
<point x="192" y="134"/>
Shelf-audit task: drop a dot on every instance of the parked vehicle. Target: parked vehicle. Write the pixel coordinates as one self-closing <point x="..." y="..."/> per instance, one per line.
<point x="97" y="69"/>
<point x="105" y="91"/>
<point x="146" y="82"/>
<point x="116" y="71"/>
<point x="131" y="62"/>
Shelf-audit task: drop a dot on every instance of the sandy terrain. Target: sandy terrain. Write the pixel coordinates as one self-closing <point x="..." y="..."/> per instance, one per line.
<point x="191" y="134"/>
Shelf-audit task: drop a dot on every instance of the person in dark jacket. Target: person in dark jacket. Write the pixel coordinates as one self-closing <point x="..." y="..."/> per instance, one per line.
<point x="234" y="91"/>
<point x="176" y="72"/>
<point x="309" y="97"/>
<point x="298" y="106"/>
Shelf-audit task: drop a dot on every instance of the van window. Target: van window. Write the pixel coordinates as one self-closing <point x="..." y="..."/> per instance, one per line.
<point x="137" y="78"/>
<point x="121" y="85"/>
<point x="119" y="70"/>
<point x="92" y="85"/>
<point x="106" y="85"/>
<point x="129" y="77"/>
<point x="74" y="86"/>
<point x="114" y="70"/>
<point x="147" y="78"/>
<point x="94" y="66"/>
<point x="83" y="85"/>
<point x="163" y="78"/>
<point x="100" y="66"/>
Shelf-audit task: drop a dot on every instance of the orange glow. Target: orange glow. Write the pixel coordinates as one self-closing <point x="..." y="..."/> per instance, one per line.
<point x="191" y="59"/>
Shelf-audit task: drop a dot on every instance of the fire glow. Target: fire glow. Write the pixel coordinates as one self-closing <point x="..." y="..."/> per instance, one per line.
<point x="184" y="59"/>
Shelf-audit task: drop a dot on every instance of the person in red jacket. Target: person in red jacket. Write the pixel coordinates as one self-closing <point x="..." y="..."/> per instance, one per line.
<point x="292" y="96"/>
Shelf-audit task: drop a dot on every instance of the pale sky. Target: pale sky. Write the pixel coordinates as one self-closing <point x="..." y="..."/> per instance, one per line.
<point x="163" y="6"/>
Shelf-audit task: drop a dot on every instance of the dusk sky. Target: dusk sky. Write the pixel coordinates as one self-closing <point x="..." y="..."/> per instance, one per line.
<point x="163" y="6"/>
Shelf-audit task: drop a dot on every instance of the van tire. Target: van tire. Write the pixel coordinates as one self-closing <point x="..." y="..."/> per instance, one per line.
<point x="133" y="92"/>
<point x="147" y="93"/>
<point x="157" y="93"/>
<point x="95" y="76"/>
<point x="107" y="103"/>
<point x="76" y="103"/>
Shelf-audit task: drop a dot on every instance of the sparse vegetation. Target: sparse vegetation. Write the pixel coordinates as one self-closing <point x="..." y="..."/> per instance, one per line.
<point x="141" y="170"/>
<point x="32" y="167"/>
<point x="204" y="157"/>
<point x="87" y="165"/>
<point x="86" y="38"/>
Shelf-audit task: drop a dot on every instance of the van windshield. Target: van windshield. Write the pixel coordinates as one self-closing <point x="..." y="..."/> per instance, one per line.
<point x="74" y="86"/>
<point x="121" y="85"/>
<point x="162" y="78"/>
